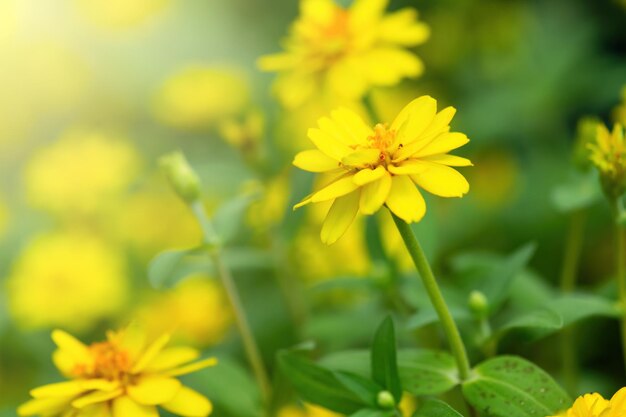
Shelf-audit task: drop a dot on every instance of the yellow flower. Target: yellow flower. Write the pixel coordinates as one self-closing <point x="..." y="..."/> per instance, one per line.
<point x="608" y="154"/>
<point x="199" y="95"/>
<point x="594" y="405"/>
<point x="371" y="167"/>
<point x="337" y="51"/>
<point x="308" y="410"/>
<point x="81" y="172"/>
<point x="66" y="279"/>
<point x="124" y="376"/>
<point x="195" y="311"/>
<point x="244" y="133"/>
<point x="619" y="112"/>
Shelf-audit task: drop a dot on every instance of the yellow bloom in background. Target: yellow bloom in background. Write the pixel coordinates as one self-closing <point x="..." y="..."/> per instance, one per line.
<point x="125" y="376"/>
<point x="344" y="52"/>
<point x="195" y="311"/>
<point x="269" y="210"/>
<point x="120" y="14"/>
<point x="498" y="181"/>
<point x="82" y="172"/>
<point x="619" y="112"/>
<point x="608" y="154"/>
<point x="244" y="133"/>
<point x="367" y="167"/>
<point x="199" y="95"/>
<point x="308" y="410"/>
<point x="71" y="280"/>
<point x="594" y="405"/>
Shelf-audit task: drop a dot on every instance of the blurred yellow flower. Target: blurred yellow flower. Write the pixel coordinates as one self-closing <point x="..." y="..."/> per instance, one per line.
<point x="371" y="167"/>
<point x="308" y="410"/>
<point x="608" y="154"/>
<point x="244" y="133"/>
<point x="337" y="51"/>
<point x="619" y="112"/>
<point x="82" y="172"/>
<point x="200" y="95"/>
<point x="195" y="311"/>
<point x="120" y="14"/>
<point x="594" y="405"/>
<point x="124" y="376"/>
<point x="66" y="279"/>
<point x="497" y="182"/>
<point x="267" y="212"/>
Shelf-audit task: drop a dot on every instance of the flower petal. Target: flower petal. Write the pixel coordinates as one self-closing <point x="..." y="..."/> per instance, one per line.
<point x="95" y="410"/>
<point x="414" y="118"/>
<point x="72" y="388"/>
<point x="374" y="194"/>
<point x="442" y="144"/>
<point x="442" y="181"/>
<point x="277" y="62"/>
<point x="440" y="122"/>
<point x="125" y="407"/>
<point x="376" y="65"/>
<point x="96" y="397"/>
<point x="72" y="346"/>
<point x="402" y="28"/>
<point x="171" y="357"/>
<point x="46" y="406"/>
<point x="154" y="390"/>
<point x="340" y="217"/>
<point x="192" y="367"/>
<point x="327" y="144"/>
<point x="150" y="353"/>
<point x="314" y="161"/>
<point x="189" y="403"/>
<point x="294" y="87"/>
<point x="449" y="160"/>
<point x="361" y="158"/>
<point x="352" y="124"/>
<point x="368" y="175"/>
<point x="405" y="200"/>
<point x="408" y="167"/>
<point x="346" y="78"/>
<point x="342" y="186"/>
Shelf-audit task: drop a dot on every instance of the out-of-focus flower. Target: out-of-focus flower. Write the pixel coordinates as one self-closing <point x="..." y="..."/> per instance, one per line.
<point x="371" y="167"/>
<point x="585" y="134"/>
<point x="120" y="14"/>
<point x="594" y="405"/>
<point x="244" y="133"/>
<point x="84" y="171"/>
<point x="195" y="311"/>
<point x="269" y="210"/>
<point x="619" y="112"/>
<point x="71" y="280"/>
<point x="198" y="96"/>
<point x="125" y="376"/>
<point x="308" y="410"/>
<point x="344" y="52"/>
<point x="608" y="154"/>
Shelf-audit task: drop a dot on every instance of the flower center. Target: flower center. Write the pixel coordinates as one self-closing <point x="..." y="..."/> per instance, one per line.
<point x="330" y="41"/>
<point x="382" y="138"/>
<point x="109" y="362"/>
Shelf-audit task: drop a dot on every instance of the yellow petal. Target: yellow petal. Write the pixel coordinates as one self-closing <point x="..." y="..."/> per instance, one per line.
<point x="388" y="66"/>
<point x="361" y="158"/>
<point x="368" y="175"/>
<point x="440" y="123"/>
<point x="96" y="410"/>
<point x="192" y="367"/>
<point x="294" y="87"/>
<point x="154" y="390"/>
<point x="442" y="144"/>
<point x="414" y="118"/>
<point x="189" y="403"/>
<point x="449" y="160"/>
<point x="618" y="401"/>
<point x="340" y="217"/>
<point x="132" y="339"/>
<point x="374" y="194"/>
<point x="277" y="62"/>
<point x="72" y="346"/>
<point x="314" y="161"/>
<point x="346" y="79"/>
<point x="96" y="397"/>
<point x="352" y="124"/>
<point x="72" y="388"/>
<point x="151" y="352"/>
<point x="46" y="406"/>
<point x="171" y="357"/>
<point x="306" y="200"/>
<point x="364" y="13"/>
<point x="405" y="200"/>
<point x="442" y="181"/>
<point x="342" y="186"/>
<point x="408" y="167"/>
<point x="125" y="407"/>
<point x="402" y="28"/>
<point x="327" y="144"/>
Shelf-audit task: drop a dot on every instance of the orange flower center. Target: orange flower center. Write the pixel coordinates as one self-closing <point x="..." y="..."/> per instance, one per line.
<point x="109" y="362"/>
<point x="382" y="138"/>
<point x="330" y="41"/>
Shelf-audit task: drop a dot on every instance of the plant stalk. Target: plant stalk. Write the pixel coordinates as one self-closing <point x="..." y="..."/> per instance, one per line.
<point x="620" y="257"/>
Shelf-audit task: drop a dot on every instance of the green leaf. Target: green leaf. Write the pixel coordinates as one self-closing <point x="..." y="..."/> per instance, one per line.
<point x="319" y="385"/>
<point x="384" y="362"/>
<point x="509" y="386"/>
<point x="580" y="191"/>
<point x="228" y="219"/>
<point x="369" y="412"/>
<point x="436" y="408"/>
<point x="427" y="372"/>
<point x="170" y="266"/>
<point x="576" y="307"/>
<point x="539" y="319"/>
<point x="362" y="387"/>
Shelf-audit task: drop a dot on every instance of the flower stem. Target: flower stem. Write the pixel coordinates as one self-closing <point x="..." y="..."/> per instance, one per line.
<point x="430" y="283"/>
<point x="620" y="256"/>
<point x="247" y="337"/>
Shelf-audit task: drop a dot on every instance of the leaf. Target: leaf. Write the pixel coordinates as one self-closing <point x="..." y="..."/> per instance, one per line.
<point x="542" y="319"/>
<point x="362" y="387"/>
<point x="169" y="266"/>
<point x="576" y="307"/>
<point x="384" y="362"/>
<point x="368" y="412"/>
<point x="509" y="386"/>
<point x="427" y="372"/>
<point x="436" y="408"/>
<point x="318" y="385"/>
<point x="580" y="191"/>
<point x="228" y="217"/>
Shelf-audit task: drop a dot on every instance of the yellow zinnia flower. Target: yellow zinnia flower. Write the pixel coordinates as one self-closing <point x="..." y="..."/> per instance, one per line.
<point x="371" y="167"/>
<point x="608" y="154"/>
<point x="594" y="405"/>
<point x="345" y="51"/>
<point x="123" y="376"/>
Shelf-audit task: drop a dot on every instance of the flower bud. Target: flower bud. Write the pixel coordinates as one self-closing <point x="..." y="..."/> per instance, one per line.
<point x="182" y="177"/>
<point x="385" y="399"/>
<point x="478" y="304"/>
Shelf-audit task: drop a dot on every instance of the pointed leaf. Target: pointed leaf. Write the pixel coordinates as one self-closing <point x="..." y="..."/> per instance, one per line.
<point x="436" y="408"/>
<point x="384" y="362"/>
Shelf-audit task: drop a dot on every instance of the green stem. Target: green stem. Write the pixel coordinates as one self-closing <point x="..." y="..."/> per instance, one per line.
<point x="247" y="337"/>
<point x="430" y="283"/>
<point x="620" y="256"/>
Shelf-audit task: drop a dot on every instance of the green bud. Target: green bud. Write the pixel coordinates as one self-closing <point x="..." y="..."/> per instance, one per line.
<point x="384" y="399"/>
<point x="181" y="176"/>
<point x="478" y="303"/>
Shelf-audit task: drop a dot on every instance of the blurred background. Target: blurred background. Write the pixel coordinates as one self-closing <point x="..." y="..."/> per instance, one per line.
<point x="92" y="92"/>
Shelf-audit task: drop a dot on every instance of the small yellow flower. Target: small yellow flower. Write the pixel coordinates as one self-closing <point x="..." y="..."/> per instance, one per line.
<point x="619" y="112"/>
<point x="345" y="51"/>
<point x="371" y="167"/>
<point x="124" y="376"/>
<point x="594" y="405"/>
<point x="608" y="154"/>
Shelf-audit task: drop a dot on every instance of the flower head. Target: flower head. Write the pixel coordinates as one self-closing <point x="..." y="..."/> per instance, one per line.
<point x="594" y="405"/>
<point x="370" y="167"/>
<point x="124" y="376"/>
<point x="608" y="154"/>
<point x="345" y="51"/>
